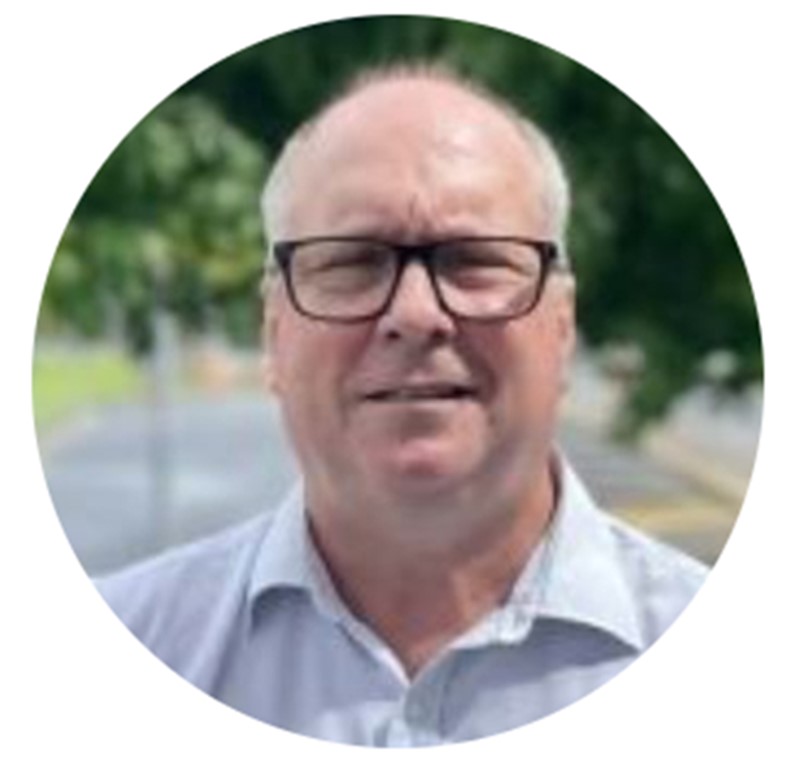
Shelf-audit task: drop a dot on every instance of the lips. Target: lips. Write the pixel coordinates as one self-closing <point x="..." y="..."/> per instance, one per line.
<point x="421" y="393"/>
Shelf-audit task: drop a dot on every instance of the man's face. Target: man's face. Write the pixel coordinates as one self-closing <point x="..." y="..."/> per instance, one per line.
<point x="418" y="163"/>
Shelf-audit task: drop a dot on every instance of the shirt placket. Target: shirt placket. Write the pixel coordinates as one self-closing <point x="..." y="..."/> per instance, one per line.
<point x="417" y="721"/>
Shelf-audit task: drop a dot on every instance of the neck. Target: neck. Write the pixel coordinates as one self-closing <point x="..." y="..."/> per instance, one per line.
<point x="422" y="586"/>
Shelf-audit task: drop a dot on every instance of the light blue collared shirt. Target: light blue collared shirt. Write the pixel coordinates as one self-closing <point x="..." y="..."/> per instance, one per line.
<point x="252" y="618"/>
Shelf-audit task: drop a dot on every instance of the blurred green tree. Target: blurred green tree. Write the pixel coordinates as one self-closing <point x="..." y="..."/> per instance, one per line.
<point x="170" y="218"/>
<point x="658" y="268"/>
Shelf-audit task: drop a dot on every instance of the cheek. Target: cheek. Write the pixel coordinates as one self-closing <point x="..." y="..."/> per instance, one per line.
<point x="304" y="390"/>
<point x="311" y="363"/>
<point x="528" y="364"/>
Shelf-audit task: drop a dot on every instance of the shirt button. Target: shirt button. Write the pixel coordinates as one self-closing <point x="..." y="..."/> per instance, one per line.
<point x="422" y="715"/>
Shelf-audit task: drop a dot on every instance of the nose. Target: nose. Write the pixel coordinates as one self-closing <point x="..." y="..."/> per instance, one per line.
<point x="415" y="311"/>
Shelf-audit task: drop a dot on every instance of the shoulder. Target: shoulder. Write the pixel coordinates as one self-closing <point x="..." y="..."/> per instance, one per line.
<point x="660" y="579"/>
<point x="156" y="597"/>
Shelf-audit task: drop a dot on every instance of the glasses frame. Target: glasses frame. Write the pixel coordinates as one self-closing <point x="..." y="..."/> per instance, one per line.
<point x="284" y="250"/>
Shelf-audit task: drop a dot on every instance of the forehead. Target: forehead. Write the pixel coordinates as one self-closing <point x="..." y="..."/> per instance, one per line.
<point x="414" y="154"/>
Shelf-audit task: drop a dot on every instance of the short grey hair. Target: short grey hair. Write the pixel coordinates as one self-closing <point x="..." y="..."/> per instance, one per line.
<point x="556" y="192"/>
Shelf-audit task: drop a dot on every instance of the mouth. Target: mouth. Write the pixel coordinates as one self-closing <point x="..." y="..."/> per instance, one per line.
<point x="423" y="393"/>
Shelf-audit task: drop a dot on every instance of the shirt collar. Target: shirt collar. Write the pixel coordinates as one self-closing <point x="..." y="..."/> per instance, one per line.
<point x="578" y="574"/>
<point x="287" y="559"/>
<point x="281" y="559"/>
<point x="575" y="575"/>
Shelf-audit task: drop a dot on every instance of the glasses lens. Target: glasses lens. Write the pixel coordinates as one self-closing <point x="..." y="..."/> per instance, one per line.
<point x="488" y="278"/>
<point x="342" y="278"/>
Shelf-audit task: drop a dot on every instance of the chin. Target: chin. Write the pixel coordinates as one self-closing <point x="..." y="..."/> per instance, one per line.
<point x="423" y="467"/>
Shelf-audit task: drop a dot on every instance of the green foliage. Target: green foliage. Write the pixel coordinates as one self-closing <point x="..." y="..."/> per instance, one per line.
<point x="173" y="213"/>
<point x="171" y="217"/>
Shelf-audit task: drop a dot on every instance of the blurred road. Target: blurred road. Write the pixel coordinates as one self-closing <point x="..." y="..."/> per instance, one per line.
<point x="125" y="487"/>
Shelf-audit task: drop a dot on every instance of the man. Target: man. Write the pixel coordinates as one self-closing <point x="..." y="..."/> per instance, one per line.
<point x="439" y="574"/>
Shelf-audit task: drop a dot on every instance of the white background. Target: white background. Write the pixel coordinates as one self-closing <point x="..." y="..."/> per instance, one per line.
<point x="77" y="76"/>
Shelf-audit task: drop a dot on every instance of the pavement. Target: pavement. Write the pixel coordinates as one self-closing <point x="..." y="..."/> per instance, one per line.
<point x="686" y="479"/>
<point x="129" y="480"/>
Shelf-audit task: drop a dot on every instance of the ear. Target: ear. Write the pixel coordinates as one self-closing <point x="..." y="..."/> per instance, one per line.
<point x="567" y="321"/>
<point x="270" y="335"/>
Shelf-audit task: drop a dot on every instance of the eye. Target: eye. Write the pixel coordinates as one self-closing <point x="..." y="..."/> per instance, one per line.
<point x="356" y="256"/>
<point x="487" y="263"/>
<point x="325" y="256"/>
<point x="342" y="266"/>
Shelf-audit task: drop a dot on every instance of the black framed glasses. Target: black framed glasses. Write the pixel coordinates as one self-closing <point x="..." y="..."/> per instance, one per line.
<point x="351" y="279"/>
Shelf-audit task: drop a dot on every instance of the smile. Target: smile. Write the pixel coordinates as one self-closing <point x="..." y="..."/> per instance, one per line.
<point x="421" y="393"/>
